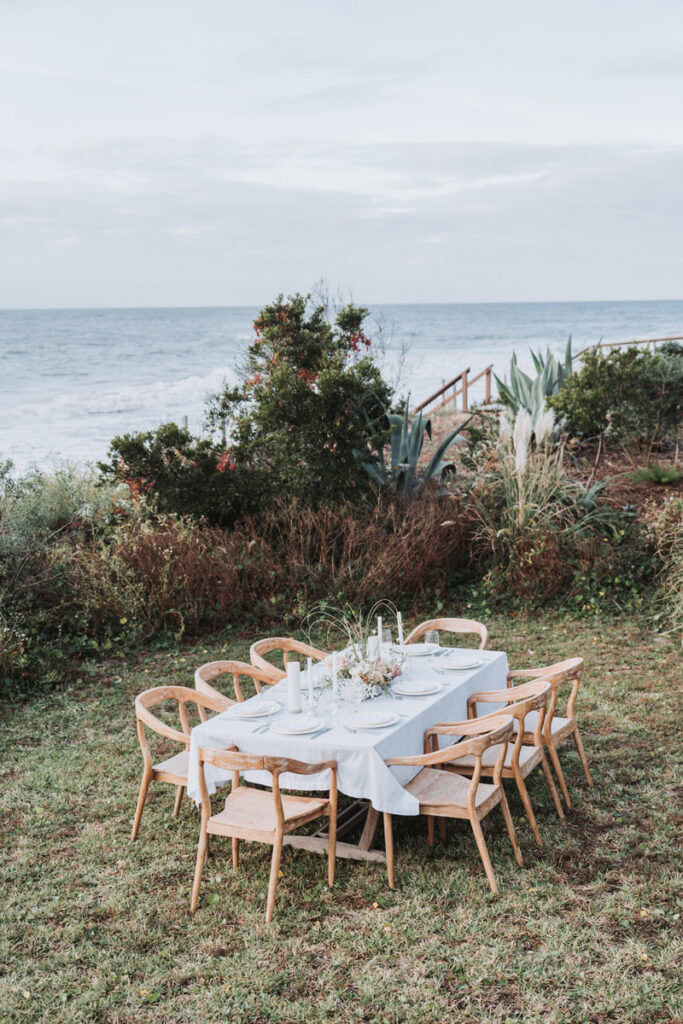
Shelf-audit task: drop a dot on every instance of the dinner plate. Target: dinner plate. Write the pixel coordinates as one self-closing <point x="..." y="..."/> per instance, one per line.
<point x="450" y="664"/>
<point x="292" y="727"/>
<point x="362" y="719"/>
<point x="416" y="650"/>
<point x="256" y="710"/>
<point x="416" y="687"/>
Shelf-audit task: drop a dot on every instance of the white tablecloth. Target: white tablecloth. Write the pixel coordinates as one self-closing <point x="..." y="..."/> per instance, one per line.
<point x="360" y="756"/>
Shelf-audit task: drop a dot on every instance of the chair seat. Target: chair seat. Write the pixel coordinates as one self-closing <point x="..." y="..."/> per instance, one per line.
<point x="176" y="765"/>
<point x="560" y="727"/>
<point x="253" y="810"/>
<point x="436" y="789"/>
<point x="528" y="758"/>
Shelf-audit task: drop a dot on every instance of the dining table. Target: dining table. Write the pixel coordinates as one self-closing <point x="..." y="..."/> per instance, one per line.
<point x="339" y="733"/>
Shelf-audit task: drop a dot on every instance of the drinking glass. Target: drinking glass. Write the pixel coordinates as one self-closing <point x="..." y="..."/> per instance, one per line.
<point x="432" y="637"/>
<point x="373" y="647"/>
<point x="386" y="637"/>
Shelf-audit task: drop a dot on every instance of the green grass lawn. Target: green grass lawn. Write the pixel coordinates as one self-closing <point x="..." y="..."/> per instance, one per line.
<point x="96" y="928"/>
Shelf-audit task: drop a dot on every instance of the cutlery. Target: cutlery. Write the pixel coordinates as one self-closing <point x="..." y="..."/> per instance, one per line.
<point x="315" y="735"/>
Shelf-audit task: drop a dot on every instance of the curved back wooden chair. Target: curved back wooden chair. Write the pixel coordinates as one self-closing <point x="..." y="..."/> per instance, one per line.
<point x="288" y="645"/>
<point x="520" y="759"/>
<point x="261" y="815"/>
<point x="173" y="769"/>
<point x="443" y="794"/>
<point x="557" y="728"/>
<point x="213" y="669"/>
<point x="451" y="626"/>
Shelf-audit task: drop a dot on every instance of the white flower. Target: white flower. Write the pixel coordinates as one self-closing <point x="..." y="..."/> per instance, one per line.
<point x="522" y="432"/>
<point x="520" y="457"/>
<point x="544" y="426"/>
<point x="505" y="429"/>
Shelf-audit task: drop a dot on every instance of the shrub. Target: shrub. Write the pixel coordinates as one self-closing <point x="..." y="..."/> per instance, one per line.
<point x="629" y="395"/>
<point x="309" y="396"/>
<point x="657" y="473"/>
<point x="665" y="523"/>
<point x="544" y="534"/>
<point x="184" y="475"/>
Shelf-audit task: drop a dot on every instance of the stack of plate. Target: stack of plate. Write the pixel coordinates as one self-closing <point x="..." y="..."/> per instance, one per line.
<point x="415" y="650"/>
<point x="254" y="709"/>
<point x="364" y="718"/>
<point x="458" y="663"/>
<point x="416" y="687"/>
<point x="298" y="725"/>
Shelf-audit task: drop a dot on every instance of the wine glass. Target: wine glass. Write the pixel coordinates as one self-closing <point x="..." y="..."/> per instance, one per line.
<point x="387" y="638"/>
<point x="432" y="637"/>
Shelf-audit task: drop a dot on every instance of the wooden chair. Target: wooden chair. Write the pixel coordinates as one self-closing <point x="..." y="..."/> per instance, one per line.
<point x="520" y="759"/>
<point x="213" y="669"/>
<point x="556" y="728"/>
<point x="450" y="626"/>
<point x="444" y="794"/>
<point x="287" y="645"/>
<point x="261" y="815"/>
<point x="173" y="769"/>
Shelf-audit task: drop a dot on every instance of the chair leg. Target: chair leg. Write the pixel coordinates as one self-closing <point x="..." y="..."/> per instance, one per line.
<point x="199" y="867"/>
<point x="331" y="848"/>
<point x="142" y="797"/>
<point x="274" y="870"/>
<point x="389" y="847"/>
<point x="442" y="829"/>
<point x="554" y="757"/>
<point x="430" y="829"/>
<point x="235" y="853"/>
<point x="523" y="792"/>
<point x="178" y="800"/>
<point x="551" y="785"/>
<point x="510" y="825"/>
<point x="484" y="854"/>
<point x="582" y="754"/>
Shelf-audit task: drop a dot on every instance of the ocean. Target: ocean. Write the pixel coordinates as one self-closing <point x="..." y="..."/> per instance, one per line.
<point x="70" y="380"/>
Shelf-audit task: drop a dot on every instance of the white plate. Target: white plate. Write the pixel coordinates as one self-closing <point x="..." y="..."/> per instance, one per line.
<point x="457" y="665"/>
<point x="292" y="727"/>
<point x="416" y="688"/>
<point x="255" y="710"/>
<point x="372" y="719"/>
<point x="416" y="650"/>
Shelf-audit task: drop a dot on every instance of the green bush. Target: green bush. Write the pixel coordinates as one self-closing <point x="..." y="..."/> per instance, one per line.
<point x="309" y="397"/>
<point x="665" y="523"/>
<point x="630" y="396"/>
<point x="177" y="473"/>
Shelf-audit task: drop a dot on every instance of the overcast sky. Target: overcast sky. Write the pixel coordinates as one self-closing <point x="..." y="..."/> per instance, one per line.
<point x="168" y="152"/>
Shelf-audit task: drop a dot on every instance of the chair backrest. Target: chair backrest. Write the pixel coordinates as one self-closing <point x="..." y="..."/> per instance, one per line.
<point x="235" y="761"/>
<point x="520" y="701"/>
<point x="287" y="645"/>
<point x="451" y="626"/>
<point x="568" y="671"/>
<point x="213" y="669"/>
<point x="479" y="733"/>
<point x="183" y="695"/>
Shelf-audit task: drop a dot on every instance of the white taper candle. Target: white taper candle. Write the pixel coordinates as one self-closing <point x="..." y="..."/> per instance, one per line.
<point x="334" y="675"/>
<point x="294" y="687"/>
<point x="310" y="682"/>
<point x="399" y="623"/>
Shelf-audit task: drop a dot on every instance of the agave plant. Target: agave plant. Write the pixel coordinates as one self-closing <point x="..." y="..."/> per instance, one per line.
<point x="403" y="475"/>
<point x="525" y="393"/>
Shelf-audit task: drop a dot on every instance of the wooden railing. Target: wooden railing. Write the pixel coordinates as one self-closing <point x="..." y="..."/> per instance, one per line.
<point x="459" y="386"/>
<point x="636" y="341"/>
<point x="450" y="392"/>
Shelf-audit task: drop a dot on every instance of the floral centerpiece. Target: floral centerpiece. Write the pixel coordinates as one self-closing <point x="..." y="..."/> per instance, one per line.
<point x="365" y="667"/>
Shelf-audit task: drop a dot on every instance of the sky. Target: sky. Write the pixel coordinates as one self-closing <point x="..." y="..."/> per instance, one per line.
<point x="219" y="152"/>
